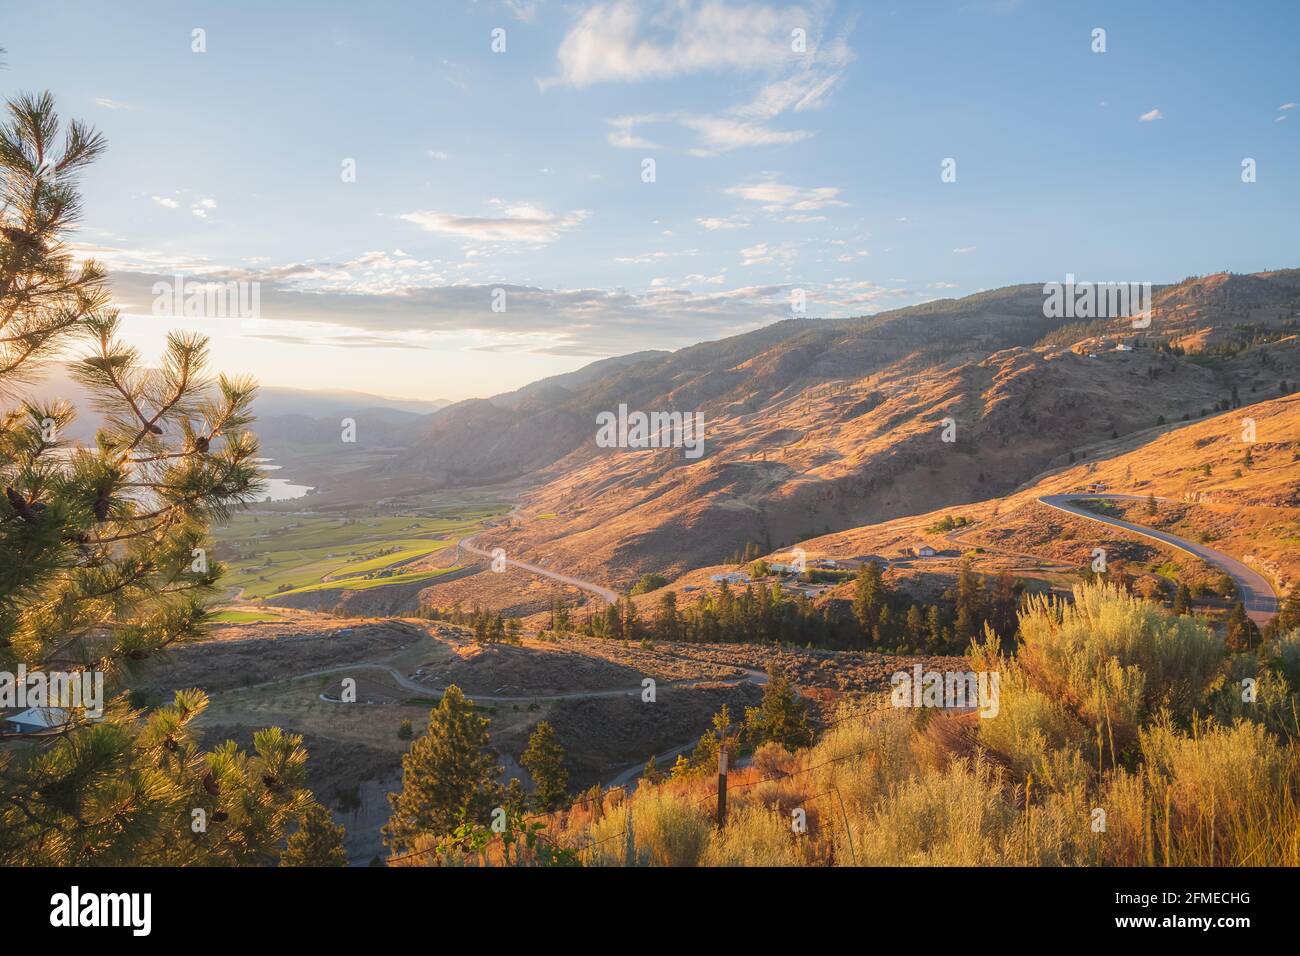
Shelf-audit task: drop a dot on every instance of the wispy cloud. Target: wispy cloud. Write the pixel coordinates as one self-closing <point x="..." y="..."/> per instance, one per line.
<point x="782" y="197"/>
<point x="110" y="104"/>
<point x="1151" y="116"/>
<point x="731" y="222"/>
<point x="624" y="42"/>
<point x="516" y="222"/>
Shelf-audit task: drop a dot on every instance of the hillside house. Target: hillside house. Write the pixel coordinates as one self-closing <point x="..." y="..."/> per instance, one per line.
<point x="924" y="551"/>
<point x="34" y="720"/>
<point x="731" y="577"/>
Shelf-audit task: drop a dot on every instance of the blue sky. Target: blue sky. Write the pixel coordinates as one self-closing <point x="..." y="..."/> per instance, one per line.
<point x="775" y="169"/>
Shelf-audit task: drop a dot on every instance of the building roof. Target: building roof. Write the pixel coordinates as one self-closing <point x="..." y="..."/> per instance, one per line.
<point x="40" y="717"/>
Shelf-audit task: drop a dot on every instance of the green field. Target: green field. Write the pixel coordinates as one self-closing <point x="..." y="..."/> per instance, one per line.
<point x="268" y="554"/>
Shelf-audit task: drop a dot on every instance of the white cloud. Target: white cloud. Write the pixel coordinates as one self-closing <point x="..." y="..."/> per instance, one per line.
<point x="625" y="41"/>
<point x="781" y="197"/>
<point x="165" y="202"/>
<point x="731" y="222"/>
<point x="719" y="134"/>
<point x="653" y="256"/>
<point x="517" y="222"/>
<point x="110" y="104"/>
<point x="525" y="11"/>
<point x="961" y="250"/>
<point x="764" y="254"/>
<point x="436" y="154"/>
<point x="622" y="42"/>
<point x="1287" y="106"/>
<point x="622" y="135"/>
<point x="1149" y="117"/>
<point x="202" y="207"/>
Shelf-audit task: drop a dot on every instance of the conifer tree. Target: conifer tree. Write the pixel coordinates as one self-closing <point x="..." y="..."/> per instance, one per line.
<point x="318" y="841"/>
<point x="448" y="776"/>
<point x="1242" y="635"/>
<point x="544" y="761"/>
<point x="104" y="550"/>
<point x="668" y="624"/>
<point x="868" y="596"/>
<point x="781" y="716"/>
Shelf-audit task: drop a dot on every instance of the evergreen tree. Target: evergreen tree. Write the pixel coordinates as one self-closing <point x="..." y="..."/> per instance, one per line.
<point x="868" y="596"/>
<point x="544" y="761"/>
<point x="915" y="626"/>
<point x="104" y="555"/>
<point x="317" y="842"/>
<point x="1288" y="618"/>
<point x="447" y="776"/>
<point x="560" y="620"/>
<point x="630" y="625"/>
<point x="1243" y="635"/>
<point x="668" y="625"/>
<point x="781" y="716"/>
<point x="1182" y="599"/>
<point x="934" y="626"/>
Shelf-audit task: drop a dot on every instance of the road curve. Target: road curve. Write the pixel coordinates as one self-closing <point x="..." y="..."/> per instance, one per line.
<point x="1254" y="590"/>
<point x="605" y="594"/>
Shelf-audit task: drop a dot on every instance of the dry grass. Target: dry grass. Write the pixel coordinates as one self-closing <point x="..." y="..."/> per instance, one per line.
<point x="1142" y="778"/>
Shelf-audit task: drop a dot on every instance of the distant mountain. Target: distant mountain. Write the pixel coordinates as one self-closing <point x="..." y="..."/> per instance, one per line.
<point x="557" y="387"/>
<point x="299" y="416"/>
<point x="273" y="400"/>
<point x="816" y="425"/>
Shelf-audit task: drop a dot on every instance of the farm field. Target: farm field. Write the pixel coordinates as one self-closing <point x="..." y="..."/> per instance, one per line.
<point x="272" y="553"/>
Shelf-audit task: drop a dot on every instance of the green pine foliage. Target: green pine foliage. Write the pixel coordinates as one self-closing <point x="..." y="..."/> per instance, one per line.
<point x="544" y="760"/>
<point x="448" y="776"/>
<point x="318" y="841"/>
<point x="103" y="550"/>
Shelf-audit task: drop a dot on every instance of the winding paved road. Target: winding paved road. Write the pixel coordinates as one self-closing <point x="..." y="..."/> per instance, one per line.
<point x="604" y="593"/>
<point x="1253" y="588"/>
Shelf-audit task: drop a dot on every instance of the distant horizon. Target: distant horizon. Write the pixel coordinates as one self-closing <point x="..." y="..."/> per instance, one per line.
<point x="459" y="202"/>
<point x="583" y="362"/>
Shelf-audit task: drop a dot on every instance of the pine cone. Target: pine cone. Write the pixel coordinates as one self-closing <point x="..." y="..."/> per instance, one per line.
<point x="210" y="785"/>
<point x="201" y="445"/>
<point x="29" y="511"/>
<point x="102" y="501"/>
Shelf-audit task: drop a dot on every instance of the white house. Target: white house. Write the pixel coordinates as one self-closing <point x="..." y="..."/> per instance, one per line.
<point x="925" y="551"/>
<point x="35" y="719"/>
<point x="731" y="577"/>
